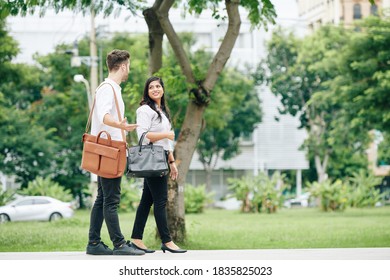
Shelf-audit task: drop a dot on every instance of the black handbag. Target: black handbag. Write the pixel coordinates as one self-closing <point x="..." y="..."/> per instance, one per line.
<point x="146" y="160"/>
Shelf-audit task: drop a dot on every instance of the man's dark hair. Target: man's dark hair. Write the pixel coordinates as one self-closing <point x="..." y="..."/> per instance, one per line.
<point x="116" y="58"/>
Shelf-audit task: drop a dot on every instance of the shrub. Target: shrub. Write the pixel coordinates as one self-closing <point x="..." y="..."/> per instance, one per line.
<point x="260" y="193"/>
<point x="196" y="198"/>
<point x="332" y="196"/>
<point x="268" y="192"/>
<point x="6" y="196"/>
<point x="47" y="187"/>
<point x="242" y="189"/>
<point x="130" y="194"/>
<point x="362" y="189"/>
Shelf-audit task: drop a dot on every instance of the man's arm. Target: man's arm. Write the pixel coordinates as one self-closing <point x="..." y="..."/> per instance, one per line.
<point x="109" y="120"/>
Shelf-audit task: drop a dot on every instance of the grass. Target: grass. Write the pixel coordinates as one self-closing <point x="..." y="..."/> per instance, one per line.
<point x="218" y="229"/>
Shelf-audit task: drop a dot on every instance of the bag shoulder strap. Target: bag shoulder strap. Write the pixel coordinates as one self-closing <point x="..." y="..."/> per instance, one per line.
<point x="87" y="127"/>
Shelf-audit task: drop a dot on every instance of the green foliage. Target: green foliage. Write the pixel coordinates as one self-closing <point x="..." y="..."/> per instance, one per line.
<point x="221" y="136"/>
<point x="6" y="196"/>
<point x="336" y="81"/>
<point x="63" y="114"/>
<point x="9" y="47"/>
<point x="296" y="70"/>
<point x="242" y="188"/>
<point x="363" y="88"/>
<point x="278" y="73"/>
<point x="196" y="198"/>
<point x="107" y="7"/>
<point x="357" y="191"/>
<point x="26" y="148"/>
<point x="47" y="187"/>
<point x="258" y="194"/>
<point x="362" y="189"/>
<point x="19" y="83"/>
<point x="260" y="12"/>
<point x="130" y="195"/>
<point x="58" y="73"/>
<point x="268" y="193"/>
<point x="333" y="196"/>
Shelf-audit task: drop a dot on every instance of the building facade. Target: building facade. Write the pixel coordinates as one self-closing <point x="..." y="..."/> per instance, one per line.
<point x="316" y="13"/>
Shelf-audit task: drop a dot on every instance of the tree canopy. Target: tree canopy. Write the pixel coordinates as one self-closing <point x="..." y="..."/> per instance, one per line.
<point x="335" y="81"/>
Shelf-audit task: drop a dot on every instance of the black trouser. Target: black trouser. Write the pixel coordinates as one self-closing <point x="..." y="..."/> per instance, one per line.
<point x="155" y="192"/>
<point x="106" y="208"/>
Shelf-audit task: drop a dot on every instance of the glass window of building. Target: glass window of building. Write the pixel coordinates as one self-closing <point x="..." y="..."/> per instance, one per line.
<point x="357" y="11"/>
<point x="374" y="10"/>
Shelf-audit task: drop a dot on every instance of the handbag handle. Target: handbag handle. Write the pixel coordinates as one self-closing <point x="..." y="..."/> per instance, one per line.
<point x="142" y="139"/>
<point x="117" y="109"/>
<point x="108" y="137"/>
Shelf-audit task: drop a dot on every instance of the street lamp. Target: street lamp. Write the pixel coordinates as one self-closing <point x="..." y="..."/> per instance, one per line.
<point x="80" y="79"/>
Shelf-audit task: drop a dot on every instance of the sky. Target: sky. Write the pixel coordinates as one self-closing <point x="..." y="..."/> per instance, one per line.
<point x="36" y="34"/>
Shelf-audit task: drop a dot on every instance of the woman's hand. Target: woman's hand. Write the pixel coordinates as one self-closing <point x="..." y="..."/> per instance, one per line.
<point x="174" y="171"/>
<point x="171" y="135"/>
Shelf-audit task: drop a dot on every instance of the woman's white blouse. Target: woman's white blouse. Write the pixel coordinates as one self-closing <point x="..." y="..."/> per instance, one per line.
<point x="148" y="120"/>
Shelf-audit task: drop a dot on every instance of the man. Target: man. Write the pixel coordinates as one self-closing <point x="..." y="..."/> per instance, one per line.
<point x="105" y="117"/>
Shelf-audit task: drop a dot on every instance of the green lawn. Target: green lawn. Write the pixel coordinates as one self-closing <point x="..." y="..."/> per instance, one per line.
<point x="219" y="229"/>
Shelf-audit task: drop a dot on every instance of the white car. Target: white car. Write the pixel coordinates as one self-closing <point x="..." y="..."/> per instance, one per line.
<point x="300" y="201"/>
<point x="35" y="208"/>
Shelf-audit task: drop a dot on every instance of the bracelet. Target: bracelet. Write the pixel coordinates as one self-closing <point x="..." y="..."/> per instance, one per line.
<point x="172" y="161"/>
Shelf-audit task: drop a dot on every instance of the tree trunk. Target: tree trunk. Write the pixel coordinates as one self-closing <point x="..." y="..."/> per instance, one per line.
<point x="184" y="151"/>
<point x="321" y="167"/>
<point x="209" y="173"/>
<point x="317" y="131"/>
<point x="156" y="35"/>
<point x="209" y="166"/>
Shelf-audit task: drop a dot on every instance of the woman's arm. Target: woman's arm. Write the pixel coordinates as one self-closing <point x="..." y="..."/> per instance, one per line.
<point x="171" y="158"/>
<point x="155" y="136"/>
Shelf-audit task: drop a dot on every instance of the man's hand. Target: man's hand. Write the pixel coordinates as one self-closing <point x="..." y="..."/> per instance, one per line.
<point x="108" y="120"/>
<point x="127" y="126"/>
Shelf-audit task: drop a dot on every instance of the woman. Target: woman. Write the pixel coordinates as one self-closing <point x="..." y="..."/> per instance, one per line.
<point x="153" y="118"/>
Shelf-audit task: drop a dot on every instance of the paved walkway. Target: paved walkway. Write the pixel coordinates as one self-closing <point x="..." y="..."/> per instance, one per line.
<point x="274" y="254"/>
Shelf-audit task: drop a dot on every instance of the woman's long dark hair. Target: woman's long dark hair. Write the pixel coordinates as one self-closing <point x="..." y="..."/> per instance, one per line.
<point x="146" y="100"/>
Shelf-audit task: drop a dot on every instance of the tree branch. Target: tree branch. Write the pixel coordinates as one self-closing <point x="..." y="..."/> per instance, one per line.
<point x="157" y="4"/>
<point x="227" y="44"/>
<point x="156" y="35"/>
<point x="162" y="14"/>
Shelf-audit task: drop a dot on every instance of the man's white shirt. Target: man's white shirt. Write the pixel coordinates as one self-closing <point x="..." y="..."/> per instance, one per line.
<point x="105" y="104"/>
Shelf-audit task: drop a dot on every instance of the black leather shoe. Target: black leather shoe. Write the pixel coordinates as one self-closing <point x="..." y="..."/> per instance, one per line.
<point x="98" y="249"/>
<point x="165" y="248"/>
<point x="145" y="250"/>
<point x="127" y="249"/>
